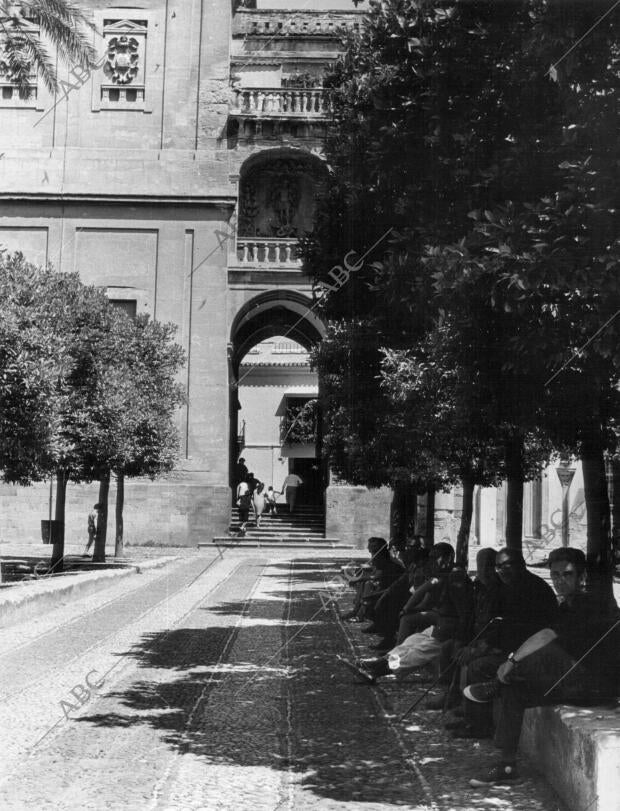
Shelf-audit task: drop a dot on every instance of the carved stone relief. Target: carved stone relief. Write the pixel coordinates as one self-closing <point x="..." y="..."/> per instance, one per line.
<point x="123" y="59"/>
<point x="277" y="200"/>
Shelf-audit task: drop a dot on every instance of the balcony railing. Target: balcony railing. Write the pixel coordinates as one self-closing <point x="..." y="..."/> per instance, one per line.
<point x="295" y="24"/>
<point x="287" y="102"/>
<point x="264" y="252"/>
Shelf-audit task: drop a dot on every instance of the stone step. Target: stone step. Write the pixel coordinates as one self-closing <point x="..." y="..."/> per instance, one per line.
<point x="227" y="541"/>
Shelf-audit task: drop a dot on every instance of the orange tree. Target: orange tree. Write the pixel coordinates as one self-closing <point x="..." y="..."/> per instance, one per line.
<point x="440" y="135"/>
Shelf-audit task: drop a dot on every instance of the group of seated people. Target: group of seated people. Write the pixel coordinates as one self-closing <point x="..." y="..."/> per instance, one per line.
<point x="501" y="642"/>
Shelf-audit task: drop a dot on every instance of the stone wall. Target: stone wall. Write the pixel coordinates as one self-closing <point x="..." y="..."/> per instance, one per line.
<point x="176" y="511"/>
<point x="353" y="513"/>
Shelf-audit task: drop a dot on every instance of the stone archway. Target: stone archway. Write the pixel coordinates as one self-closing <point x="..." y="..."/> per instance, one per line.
<point x="273" y="313"/>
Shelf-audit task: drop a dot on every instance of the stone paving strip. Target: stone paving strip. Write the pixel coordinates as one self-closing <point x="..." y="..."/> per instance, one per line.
<point x="224" y="693"/>
<point x="80" y="654"/>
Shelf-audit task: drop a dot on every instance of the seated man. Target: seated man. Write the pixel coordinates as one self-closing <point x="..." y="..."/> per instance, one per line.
<point x="525" y="604"/>
<point x="452" y="610"/>
<point x="391" y="604"/>
<point x="574" y="660"/>
<point x="372" y="580"/>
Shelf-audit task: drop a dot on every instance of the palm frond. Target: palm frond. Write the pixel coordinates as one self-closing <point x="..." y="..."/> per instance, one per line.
<point x="63" y="23"/>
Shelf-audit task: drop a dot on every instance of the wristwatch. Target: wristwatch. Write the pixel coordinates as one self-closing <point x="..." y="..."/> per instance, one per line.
<point x="511" y="658"/>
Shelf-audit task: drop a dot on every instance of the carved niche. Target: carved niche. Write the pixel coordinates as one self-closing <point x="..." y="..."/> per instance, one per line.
<point x="277" y="199"/>
<point x="125" y="42"/>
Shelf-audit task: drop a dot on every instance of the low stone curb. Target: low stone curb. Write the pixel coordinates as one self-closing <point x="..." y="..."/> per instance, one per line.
<point x="27" y="599"/>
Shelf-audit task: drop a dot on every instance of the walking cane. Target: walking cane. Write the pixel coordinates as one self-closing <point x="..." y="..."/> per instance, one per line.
<point x="445" y="670"/>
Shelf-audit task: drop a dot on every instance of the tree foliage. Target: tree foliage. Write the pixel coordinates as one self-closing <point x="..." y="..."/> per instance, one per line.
<point x="84" y="389"/>
<point x="484" y="140"/>
<point x="22" y="52"/>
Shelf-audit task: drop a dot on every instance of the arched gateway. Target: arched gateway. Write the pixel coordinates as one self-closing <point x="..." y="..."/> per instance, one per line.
<point x="183" y="195"/>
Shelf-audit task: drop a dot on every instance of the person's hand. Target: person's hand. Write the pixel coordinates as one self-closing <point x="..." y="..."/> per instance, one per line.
<point x="504" y="671"/>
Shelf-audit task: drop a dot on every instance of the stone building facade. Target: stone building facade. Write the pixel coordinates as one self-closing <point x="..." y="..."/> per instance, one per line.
<point x="178" y="174"/>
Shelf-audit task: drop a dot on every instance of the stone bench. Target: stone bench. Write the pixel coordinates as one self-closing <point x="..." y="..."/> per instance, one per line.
<point x="578" y="751"/>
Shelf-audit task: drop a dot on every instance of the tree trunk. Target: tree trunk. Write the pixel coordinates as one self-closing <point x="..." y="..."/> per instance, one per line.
<point x="597" y="506"/>
<point x="120" y="503"/>
<point x="615" y="509"/>
<point x="462" y="539"/>
<point x="102" y="520"/>
<point x="430" y="517"/>
<point x="400" y="513"/>
<point x="58" y="549"/>
<point x="599" y="549"/>
<point x="514" y="493"/>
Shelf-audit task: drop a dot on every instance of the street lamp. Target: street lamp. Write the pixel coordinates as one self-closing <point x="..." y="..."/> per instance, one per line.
<point x="565" y="473"/>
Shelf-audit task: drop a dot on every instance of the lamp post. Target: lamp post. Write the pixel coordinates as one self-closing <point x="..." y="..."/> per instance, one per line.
<point x="565" y="474"/>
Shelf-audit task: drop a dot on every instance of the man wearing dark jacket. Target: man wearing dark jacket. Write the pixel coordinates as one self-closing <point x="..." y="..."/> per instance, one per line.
<point x="525" y="604"/>
<point x="572" y="660"/>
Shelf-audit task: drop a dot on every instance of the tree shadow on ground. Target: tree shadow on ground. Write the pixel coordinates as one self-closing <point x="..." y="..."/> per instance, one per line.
<point x="267" y="694"/>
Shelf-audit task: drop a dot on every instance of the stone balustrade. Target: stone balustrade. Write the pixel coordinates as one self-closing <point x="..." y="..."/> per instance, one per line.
<point x="284" y="102"/>
<point x="265" y="252"/>
<point x="274" y="23"/>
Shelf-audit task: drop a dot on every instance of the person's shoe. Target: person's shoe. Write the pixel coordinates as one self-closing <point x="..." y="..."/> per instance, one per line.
<point x="497" y="775"/>
<point x="467" y="732"/>
<point x="357" y="670"/>
<point x="483" y="692"/>
<point x="371" y="629"/>
<point x="378" y="666"/>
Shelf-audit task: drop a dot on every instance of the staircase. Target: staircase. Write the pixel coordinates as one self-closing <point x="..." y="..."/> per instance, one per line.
<point x="306" y="526"/>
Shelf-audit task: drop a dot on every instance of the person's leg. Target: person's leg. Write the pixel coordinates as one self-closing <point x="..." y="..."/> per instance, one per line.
<point x="414" y="623"/>
<point x="478" y="718"/>
<point x="293" y="498"/>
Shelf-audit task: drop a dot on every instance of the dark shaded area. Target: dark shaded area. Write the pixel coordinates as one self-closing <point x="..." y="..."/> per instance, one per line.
<point x="284" y="702"/>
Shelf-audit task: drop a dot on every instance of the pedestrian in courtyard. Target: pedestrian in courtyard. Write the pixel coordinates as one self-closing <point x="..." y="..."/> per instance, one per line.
<point x="252" y="482"/>
<point x="258" y="502"/>
<point x="93" y="517"/>
<point x="244" y="500"/>
<point x="289" y="488"/>
<point x="270" y="501"/>
<point x="241" y="471"/>
<point x="573" y="660"/>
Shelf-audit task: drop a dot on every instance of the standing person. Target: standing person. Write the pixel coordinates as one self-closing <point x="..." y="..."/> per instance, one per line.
<point x="244" y="499"/>
<point x="289" y="488"/>
<point x="241" y="471"/>
<point x="258" y="502"/>
<point x="93" y="517"/>
<point x="252" y="482"/>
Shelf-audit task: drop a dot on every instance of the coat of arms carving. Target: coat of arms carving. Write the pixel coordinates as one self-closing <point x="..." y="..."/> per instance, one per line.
<point x="123" y="59"/>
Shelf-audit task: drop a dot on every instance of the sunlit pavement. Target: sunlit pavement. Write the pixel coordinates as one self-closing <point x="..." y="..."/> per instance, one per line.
<point x="215" y="684"/>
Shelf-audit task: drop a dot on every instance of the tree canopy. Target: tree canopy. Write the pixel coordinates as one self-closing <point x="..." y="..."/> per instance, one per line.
<point x="481" y="137"/>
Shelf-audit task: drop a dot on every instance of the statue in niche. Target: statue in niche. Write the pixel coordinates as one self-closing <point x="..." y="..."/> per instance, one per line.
<point x="122" y="63"/>
<point x="270" y="198"/>
<point x="283" y="198"/>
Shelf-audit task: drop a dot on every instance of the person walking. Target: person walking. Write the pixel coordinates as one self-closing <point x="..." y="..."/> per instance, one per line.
<point x="258" y="502"/>
<point x="244" y="499"/>
<point x="289" y="488"/>
<point x="93" y="517"/>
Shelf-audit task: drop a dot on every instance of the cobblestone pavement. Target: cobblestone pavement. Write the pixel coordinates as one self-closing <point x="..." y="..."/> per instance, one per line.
<point x="215" y="684"/>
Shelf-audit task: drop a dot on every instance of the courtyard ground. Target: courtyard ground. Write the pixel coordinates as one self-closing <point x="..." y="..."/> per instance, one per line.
<point x="215" y="684"/>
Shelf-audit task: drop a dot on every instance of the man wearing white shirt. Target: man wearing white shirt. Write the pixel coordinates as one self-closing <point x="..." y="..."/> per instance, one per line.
<point x="289" y="488"/>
